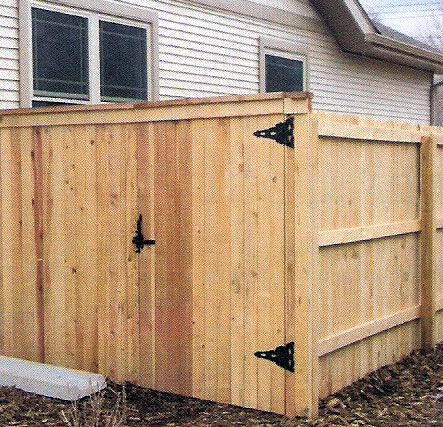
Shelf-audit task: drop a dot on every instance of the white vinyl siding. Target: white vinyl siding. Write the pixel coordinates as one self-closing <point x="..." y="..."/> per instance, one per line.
<point x="302" y="7"/>
<point x="204" y="52"/>
<point x="9" y="76"/>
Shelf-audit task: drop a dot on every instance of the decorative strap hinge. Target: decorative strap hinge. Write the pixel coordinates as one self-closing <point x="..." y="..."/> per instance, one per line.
<point x="282" y="132"/>
<point x="282" y="356"/>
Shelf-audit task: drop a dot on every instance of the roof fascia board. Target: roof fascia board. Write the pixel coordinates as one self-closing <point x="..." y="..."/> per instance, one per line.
<point x="379" y="42"/>
<point x="360" y="16"/>
<point x="263" y="12"/>
<point x="378" y="39"/>
<point x="398" y="57"/>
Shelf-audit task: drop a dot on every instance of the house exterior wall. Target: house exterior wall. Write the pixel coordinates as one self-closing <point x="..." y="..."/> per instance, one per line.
<point x="9" y="75"/>
<point x="207" y="52"/>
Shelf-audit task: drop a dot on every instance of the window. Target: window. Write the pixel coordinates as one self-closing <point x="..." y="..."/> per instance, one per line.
<point x="59" y="54"/>
<point x="284" y="74"/>
<point x="82" y="52"/>
<point x="123" y="62"/>
<point x="283" y="66"/>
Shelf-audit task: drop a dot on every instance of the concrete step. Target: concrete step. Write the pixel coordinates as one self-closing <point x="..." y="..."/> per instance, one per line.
<point x="49" y="380"/>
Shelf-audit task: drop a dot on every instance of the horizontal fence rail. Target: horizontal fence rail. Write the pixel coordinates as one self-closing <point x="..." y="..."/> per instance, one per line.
<point x="366" y="330"/>
<point x="359" y="234"/>
<point x="377" y="190"/>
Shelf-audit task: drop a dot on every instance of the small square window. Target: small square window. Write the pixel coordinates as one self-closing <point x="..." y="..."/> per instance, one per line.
<point x="123" y="62"/>
<point x="60" y="54"/>
<point x="284" y="74"/>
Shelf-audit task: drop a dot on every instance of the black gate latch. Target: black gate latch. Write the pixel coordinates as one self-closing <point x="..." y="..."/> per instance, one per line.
<point x="282" y="356"/>
<point x="139" y="240"/>
<point x="283" y="133"/>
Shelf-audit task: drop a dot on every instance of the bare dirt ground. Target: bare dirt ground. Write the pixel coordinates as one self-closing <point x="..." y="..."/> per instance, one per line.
<point x="404" y="394"/>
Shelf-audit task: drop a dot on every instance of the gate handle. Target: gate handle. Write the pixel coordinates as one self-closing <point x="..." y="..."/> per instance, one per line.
<point x="139" y="240"/>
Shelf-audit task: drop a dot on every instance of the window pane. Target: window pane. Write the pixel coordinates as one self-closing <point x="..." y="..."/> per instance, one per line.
<point x="283" y="74"/>
<point x="123" y="61"/>
<point x="60" y="55"/>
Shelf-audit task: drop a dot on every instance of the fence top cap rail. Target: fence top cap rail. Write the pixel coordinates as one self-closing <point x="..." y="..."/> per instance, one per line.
<point x="157" y="104"/>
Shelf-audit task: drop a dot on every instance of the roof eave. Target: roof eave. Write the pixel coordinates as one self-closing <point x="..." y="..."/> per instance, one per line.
<point x="356" y="33"/>
<point x="432" y="61"/>
<point x="423" y="54"/>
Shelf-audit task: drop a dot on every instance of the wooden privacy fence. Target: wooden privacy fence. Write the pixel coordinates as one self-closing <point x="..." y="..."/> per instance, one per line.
<point x="334" y="245"/>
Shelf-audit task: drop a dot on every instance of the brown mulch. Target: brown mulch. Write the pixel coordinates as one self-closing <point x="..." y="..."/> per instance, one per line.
<point x="404" y="394"/>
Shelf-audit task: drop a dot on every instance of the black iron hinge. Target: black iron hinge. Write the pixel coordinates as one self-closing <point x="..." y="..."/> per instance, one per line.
<point x="139" y="240"/>
<point x="282" y="356"/>
<point x="282" y="132"/>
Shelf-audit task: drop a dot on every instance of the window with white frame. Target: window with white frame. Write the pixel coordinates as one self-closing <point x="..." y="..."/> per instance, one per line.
<point x="81" y="56"/>
<point x="283" y="66"/>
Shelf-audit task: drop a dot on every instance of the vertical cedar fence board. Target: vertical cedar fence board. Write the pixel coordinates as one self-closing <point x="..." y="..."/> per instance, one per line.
<point x="438" y="238"/>
<point x="380" y="245"/>
<point x="335" y="245"/>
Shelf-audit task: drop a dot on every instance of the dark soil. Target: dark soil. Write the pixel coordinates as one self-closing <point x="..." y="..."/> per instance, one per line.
<point x="404" y="394"/>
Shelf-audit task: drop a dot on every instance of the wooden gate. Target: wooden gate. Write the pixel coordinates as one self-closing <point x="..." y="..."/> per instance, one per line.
<point x="190" y="313"/>
<point x="212" y="288"/>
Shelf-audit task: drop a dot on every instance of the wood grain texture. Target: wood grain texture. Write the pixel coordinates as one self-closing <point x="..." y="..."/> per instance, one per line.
<point x="251" y="275"/>
<point x="438" y="199"/>
<point x="370" y="190"/>
<point x="367" y="133"/>
<point x="146" y="273"/>
<point x="359" y="234"/>
<point x="303" y="249"/>
<point x="132" y="259"/>
<point x="37" y="207"/>
<point x="198" y="260"/>
<point x="173" y="259"/>
<point x="366" y="330"/>
<point x="57" y="315"/>
<point x="237" y="238"/>
<point x="238" y="275"/>
<point x="291" y="301"/>
<point x="11" y="239"/>
<point x="248" y="106"/>
<point x="18" y="274"/>
<point x="257" y="245"/>
<point x="342" y="366"/>
<point x="228" y="99"/>
<point x="428" y="242"/>
<point x="270" y="267"/>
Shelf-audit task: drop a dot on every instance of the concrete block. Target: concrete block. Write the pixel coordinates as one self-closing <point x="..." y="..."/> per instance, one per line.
<point x="49" y="380"/>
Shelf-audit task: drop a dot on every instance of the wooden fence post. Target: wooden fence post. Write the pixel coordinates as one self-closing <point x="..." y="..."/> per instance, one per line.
<point x="302" y="388"/>
<point x="427" y="158"/>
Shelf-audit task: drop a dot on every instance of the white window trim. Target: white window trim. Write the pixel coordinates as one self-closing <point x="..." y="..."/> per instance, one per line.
<point x="283" y="49"/>
<point x="94" y="10"/>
